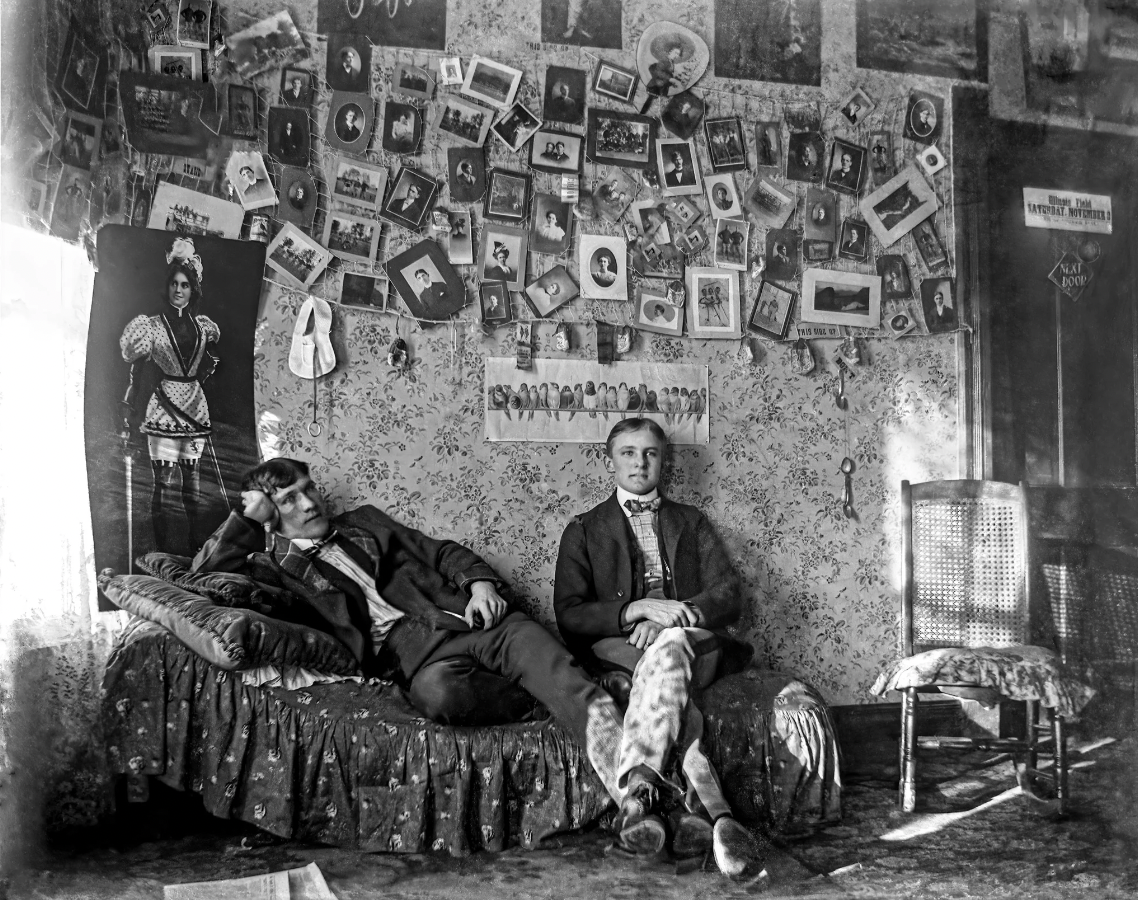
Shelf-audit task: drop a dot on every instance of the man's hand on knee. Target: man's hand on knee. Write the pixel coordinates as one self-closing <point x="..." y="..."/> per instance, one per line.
<point x="644" y="634"/>
<point x="485" y="609"/>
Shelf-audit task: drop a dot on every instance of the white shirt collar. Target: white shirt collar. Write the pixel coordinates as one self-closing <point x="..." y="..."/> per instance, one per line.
<point x="622" y="495"/>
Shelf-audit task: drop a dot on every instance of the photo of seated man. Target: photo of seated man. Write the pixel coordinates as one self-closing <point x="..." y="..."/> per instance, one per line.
<point x="426" y="613"/>
<point x="642" y="593"/>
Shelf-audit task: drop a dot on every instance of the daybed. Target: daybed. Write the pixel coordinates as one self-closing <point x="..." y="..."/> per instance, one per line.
<point x="352" y="764"/>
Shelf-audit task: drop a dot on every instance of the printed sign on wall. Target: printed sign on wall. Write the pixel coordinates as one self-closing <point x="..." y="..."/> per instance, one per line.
<point x="1066" y="210"/>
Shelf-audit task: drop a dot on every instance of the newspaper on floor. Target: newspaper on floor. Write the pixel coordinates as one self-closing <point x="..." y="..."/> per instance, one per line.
<point x="306" y="883"/>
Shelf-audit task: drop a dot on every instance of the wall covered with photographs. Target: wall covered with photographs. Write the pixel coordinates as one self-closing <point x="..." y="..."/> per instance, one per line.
<point x="343" y="134"/>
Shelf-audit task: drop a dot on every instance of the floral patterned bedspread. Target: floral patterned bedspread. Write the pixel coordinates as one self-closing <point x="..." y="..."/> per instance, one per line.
<point x="354" y="765"/>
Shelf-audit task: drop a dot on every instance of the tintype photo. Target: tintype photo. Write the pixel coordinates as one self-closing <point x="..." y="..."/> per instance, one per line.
<point x="413" y="81"/>
<point x="613" y="191"/>
<point x="681" y="211"/>
<point x="297" y="256"/>
<point x="555" y="151"/>
<point x="551" y="290"/>
<point x="356" y="183"/>
<point x="770" y="313"/>
<point x="726" y="147"/>
<point x="857" y="106"/>
<point x="821" y="223"/>
<point x="450" y="71"/>
<point x="564" y="95"/>
<point x="411" y="199"/>
<point x="713" y="303"/>
<point x="428" y="284"/>
<point x="768" y="145"/>
<point x="516" y="127"/>
<point x="158" y="113"/>
<point x="466" y="170"/>
<point x="458" y="238"/>
<point x="271" y="43"/>
<point x="900" y="320"/>
<point x="551" y="225"/>
<point x="602" y="263"/>
<point x="157" y="16"/>
<point x="731" y="244"/>
<point x="502" y="255"/>
<point x="494" y="299"/>
<point x="898" y="205"/>
<point x="241" y="111"/>
<point x="769" y="41"/>
<point x="924" y="117"/>
<point x="620" y="139"/>
<point x="296" y="87"/>
<point x="854" y="242"/>
<point x="463" y="121"/>
<point x="177" y="62"/>
<point x="70" y="205"/>
<point x="782" y="254"/>
<point x="250" y="179"/>
<point x="491" y="82"/>
<point x="402" y="127"/>
<point x="350" y="120"/>
<point x="298" y="197"/>
<point x="289" y="140"/>
<point x="611" y="80"/>
<point x="507" y="195"/>
<point x="79" y="144"/>
<point x="881" y="167"/>
<point x="830" y="297"/>
<point x="351" y="237"/>
<point x="593" y="24"/>
<point x="938" y="305"/>
<point x="931" y="160"/>
<point x="82" y="73"/>
<point x="847" y="167"/>
<point x="363" y="291"/>
<point x="814" y="251"/>
<point x="929" y="244"/>
<point x="895" y="281"/>
<point x="805" y="155"/>
<point x="679" y="171"/>
<point x="694" y="240"/>
<point x="349" y="63"/>
<point x="657" y="313"/>
<point x="193" y="23"/>
<point x="947" y="39"/>
<point x="768" y="204"/>
<point x="722" y="197"/>
<point x="683" y="114"/>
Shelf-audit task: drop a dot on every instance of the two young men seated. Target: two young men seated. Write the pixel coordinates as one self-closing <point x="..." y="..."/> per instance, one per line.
<point x="643" y="590"/>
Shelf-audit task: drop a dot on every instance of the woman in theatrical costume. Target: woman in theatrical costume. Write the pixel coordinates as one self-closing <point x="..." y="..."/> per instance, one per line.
<point x="176" y="418"/>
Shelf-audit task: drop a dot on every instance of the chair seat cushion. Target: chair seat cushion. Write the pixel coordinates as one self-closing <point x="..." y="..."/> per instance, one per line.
<point x="1021" y="672"/>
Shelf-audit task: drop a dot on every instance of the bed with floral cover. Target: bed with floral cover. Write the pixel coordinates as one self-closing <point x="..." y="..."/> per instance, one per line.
<point x="352" y="764"/>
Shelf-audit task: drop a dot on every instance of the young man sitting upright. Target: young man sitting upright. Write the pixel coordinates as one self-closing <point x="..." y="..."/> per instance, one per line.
<point x="642" y="592"/>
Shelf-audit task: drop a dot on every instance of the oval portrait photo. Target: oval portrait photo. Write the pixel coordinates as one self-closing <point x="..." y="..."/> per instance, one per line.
<point x="922" y="118"/>
<point x="603" y="267"/>
<point x="348" y="122"/>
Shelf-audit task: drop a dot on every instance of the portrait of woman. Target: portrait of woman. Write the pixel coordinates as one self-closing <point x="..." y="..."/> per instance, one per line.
<point x="170" y="404"/>
<point x="603" y="267"/>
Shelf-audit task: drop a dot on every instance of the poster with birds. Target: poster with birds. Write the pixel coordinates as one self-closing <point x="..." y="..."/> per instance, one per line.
<point x="579" y="401"/>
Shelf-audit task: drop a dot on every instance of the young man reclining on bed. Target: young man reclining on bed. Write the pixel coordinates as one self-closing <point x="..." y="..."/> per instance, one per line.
<point x="423" y="612"/>
<point x="642" y="592"/>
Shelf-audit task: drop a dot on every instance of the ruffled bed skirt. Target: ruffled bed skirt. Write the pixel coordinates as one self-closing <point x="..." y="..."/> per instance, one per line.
<point x="353" y="765"/>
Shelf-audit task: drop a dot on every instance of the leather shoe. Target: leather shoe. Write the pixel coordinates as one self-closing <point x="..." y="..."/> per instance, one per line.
<point x="737" y="853"/>
<point x="641" y="828"/>
<point x="691" y="834"/>
<point x="618" y="685"/>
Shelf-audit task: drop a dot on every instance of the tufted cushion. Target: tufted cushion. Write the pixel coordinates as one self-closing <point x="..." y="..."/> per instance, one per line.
<point x="228" y="637"/>
<point x="223" y="588"/>
<point x="1018" y="673"/>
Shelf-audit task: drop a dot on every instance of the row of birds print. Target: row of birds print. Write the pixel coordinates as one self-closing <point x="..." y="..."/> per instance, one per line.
<point x="676" y="404"/>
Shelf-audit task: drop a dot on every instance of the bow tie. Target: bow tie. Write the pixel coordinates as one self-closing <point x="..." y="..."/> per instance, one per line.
<point x="314" y="551"/>
<point x="642" y="506"/>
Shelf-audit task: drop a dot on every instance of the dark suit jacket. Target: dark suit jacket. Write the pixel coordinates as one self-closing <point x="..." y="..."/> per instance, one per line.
<point x="599" y="573"/>
<point x="423" y="577"/>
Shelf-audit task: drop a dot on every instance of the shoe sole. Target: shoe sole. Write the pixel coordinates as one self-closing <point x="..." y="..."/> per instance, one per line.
<point x="692" y="839"/>
<point x="644" y="838"/>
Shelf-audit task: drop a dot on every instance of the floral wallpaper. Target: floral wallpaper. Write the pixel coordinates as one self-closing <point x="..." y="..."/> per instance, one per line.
<point x="822" y="599"/>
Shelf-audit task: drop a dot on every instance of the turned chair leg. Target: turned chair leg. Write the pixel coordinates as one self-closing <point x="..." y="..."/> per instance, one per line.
<point x="907" y="788"/>
<point x="1059" y="737"/>
<point x="1031" y="713"/>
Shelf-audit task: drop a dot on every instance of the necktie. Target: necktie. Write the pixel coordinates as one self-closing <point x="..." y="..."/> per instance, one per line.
<point x="642" y="506"/>
<point x="314" y="551"/>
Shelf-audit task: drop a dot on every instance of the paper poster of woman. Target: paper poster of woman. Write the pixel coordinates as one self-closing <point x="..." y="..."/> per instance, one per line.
<point x="166" y="436"/>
